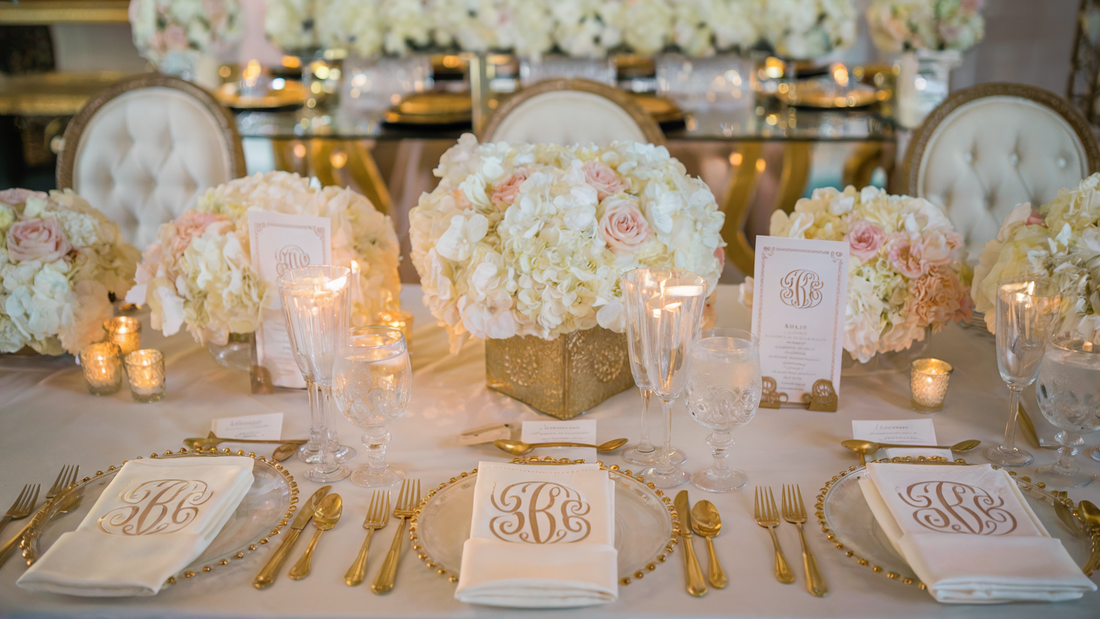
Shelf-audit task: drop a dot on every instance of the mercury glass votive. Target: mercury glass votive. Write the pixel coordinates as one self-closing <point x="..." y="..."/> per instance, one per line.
<point x="145" y="368"/>
<point x="124" y="332"/>
<point x="102" y="368"/>
<point x="928" y="380"/>
<point x="397" y="319"/>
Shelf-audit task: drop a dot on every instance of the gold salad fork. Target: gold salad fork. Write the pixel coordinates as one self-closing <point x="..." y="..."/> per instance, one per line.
<point x="378" y="514"/>
<point x="407" y="500"/>
<point x="767" y="516"/>
<point x="794" y="512"/>
<point x="21" y="508"/>
<point x="64" y="479"/>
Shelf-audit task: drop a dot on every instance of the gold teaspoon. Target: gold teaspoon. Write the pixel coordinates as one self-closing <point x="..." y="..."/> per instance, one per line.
<point x="707" y="523"/>
<point x="326" y="517"/>
<point x="870" y="447"/>
<point x="518" y="448"/>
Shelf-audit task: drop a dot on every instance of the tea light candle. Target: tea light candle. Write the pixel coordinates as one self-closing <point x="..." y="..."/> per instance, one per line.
<point x="400" y="320"/>
<point x="124" y="332"/>
<point x="145" y="368"/>
<point x="928" y="380"/>
<point x="102" y="368"/>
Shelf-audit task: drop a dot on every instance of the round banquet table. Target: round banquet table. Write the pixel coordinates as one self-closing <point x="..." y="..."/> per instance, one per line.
<point x="47" y="419"/>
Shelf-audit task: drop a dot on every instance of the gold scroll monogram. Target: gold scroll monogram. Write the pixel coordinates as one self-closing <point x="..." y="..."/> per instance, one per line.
<point x="540" y="512"/>
<point x="154" y="507"/>
<point x="801" y="289"/>
<point x="952" y="507"/>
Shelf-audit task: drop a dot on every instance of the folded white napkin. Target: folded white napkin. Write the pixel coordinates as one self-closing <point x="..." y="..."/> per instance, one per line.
<point x="969" y="534"/>
<point x="152" y="520"/>
<point x="542" y="537"/>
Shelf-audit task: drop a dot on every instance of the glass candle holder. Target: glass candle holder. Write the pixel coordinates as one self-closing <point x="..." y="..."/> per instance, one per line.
<point x="397" y="319"/>
<point x="124" y="332"/>
<point x="928" y="380"/>
<point x="102" y="368"/>
<point x="145" y="368"/>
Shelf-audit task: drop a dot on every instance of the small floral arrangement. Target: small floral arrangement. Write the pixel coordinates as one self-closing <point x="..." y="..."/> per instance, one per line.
<point x="60" y="260"/>
<point x="806" y="29"/>
<point x="907" y="269"/>
<point x="532" y="239"/>
<point x="164" y="26"/>
<point x="1060" y="241"/>
<point x="907" y="25"/>
<point x="199" y="272"/>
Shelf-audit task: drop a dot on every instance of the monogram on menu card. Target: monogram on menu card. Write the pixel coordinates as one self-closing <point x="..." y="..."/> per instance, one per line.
<point x="540" y="512"/>
<point x="801" y="289"/>
<point x="953" y="507"/>
<point x="157" y="507"/>
<point x="290" y="257"/>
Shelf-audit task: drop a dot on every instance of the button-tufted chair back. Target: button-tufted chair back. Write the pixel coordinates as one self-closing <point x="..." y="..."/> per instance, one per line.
<point x="989" y="148"/>
<point x="144" y="149"/>
<point x="571" y="111"/>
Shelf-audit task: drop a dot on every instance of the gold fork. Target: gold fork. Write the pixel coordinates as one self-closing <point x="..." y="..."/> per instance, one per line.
<point x="21" y="508"/>
<point x="794" y="512"/>
<point x="767" y="516"/>
<point x="407" y="501"/>
<point x="64" y="479"/>
<point x="378" y="514"/>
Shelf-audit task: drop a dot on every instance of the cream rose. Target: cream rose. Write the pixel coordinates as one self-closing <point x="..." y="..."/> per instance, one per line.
<point x="623" y="227"/>
<point x="37" y="239"/>
<point x="505" y="193"/>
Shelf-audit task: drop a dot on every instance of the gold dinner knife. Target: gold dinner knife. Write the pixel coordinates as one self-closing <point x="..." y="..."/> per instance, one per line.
<point x="305" y="514"/>
<point x="696" y="585"/>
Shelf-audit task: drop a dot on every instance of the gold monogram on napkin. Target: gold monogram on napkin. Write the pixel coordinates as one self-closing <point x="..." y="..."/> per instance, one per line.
<point x="955" y="507"/>
<point x="540" y="512"/>
<point x="158" y="506"/>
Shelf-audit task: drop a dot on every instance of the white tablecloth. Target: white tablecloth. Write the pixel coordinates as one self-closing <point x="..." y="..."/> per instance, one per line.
<point x="47" y="418"/>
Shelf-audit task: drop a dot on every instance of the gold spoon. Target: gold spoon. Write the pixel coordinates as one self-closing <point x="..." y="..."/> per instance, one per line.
<point x="284" y="451"/>
<point x="326" y="517"/>
<point x="1089" y="512"/>
<point x="706" y="522"/>
<point x="196" y="443"/>
<point x="518" y="448"/>
<point x="870" y="447"/>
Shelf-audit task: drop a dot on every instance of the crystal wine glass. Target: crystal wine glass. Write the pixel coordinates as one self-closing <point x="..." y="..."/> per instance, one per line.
<point x="1069" y="396"/>
<point x="723" y="392"/>
<point x="1027" y="310"/>
<point x="670" y="305"/>
<point x="315" y="300"/>
<point x="372" y="383"/>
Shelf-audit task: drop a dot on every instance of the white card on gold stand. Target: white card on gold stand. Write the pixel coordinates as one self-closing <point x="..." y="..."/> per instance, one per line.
<point x="280" y="242"/>
<point x="799" y="298"/>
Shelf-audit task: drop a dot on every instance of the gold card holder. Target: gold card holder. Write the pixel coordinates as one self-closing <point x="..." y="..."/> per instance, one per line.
<point x="822" y="397"/>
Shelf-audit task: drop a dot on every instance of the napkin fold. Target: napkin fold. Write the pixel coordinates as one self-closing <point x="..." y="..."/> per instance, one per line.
<point x="542" y="536"/>
<point x="154" y="519"/>
<point x="969" y="534"/>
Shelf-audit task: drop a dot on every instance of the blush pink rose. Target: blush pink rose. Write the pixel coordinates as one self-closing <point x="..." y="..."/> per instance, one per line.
<point x="937" y="297"/>
<point x="623" y="226"/>
<point x="603" y="179"/>
<point x="865" y="239"/>
<point x="1035" y="219"/>
<point x="905" y="255"/>
<point x="175" y="37"/>
<point x="37" y="238"/>
<point x="505" y="193"/>
<point x="16" y="196"/>
<point x="189" y="226"/>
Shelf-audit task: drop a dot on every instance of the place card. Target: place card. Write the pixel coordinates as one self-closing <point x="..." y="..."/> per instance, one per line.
<point x="579" y="431"/>
<point x="903" y="432"/>
<point x="278" y="243"/>
<point x="267" y="427"/>
<point x="799" y="298"/>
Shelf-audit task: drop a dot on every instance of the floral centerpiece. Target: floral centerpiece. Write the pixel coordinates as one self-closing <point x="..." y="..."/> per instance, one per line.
<point x="904" y="25"/>
<point x="1060" y="241"/>
<point x="199" y="274"/>
<point x="806" y="29"/>
<point x="172" y="33"/>
<point x="907" y="270"/>
<point x="60" y="262"/>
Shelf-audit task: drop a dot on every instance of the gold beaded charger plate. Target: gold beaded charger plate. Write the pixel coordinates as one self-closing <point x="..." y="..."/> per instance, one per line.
<point x="646" y="523"/>
<point x="264" y="511"/>
<point x="849" y="524"/>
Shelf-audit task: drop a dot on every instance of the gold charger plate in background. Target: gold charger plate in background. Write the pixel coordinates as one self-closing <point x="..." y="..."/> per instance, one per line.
<point x="432" y="108"/>
<point x="661" y="109"/>
<point x="826" y="94"/>
<point x="292" y="94"/>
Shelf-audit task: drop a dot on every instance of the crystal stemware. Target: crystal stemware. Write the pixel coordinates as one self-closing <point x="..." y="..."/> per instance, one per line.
<point x="1069" y="396"/>
<point x="1027" y="310"/>
<point x="669" y="303"/>
<point x="372" y="383"/>
<point x="723" y="392"/>
<point x="315" y="300"/>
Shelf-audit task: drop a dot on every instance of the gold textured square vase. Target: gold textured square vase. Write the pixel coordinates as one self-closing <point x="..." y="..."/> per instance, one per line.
<point x="563" y="377"/>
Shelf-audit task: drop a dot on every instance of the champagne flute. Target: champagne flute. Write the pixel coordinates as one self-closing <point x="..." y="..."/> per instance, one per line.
<point x="1027" y="309"/>
<point x="1069" y="397"/>
<point x="372" y="383"/>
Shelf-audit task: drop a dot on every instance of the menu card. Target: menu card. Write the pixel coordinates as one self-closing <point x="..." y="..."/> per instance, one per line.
<point x="799" y="298"/>
<point x="281" y="242"/>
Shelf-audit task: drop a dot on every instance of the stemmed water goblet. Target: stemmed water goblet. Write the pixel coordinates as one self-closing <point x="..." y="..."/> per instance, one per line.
<point x="1069" y="397"/>
<point x="1027" y="311"/>
<point x="315" y="301"/>
<point x="372" y="384"/>
<point x="723" y="392"/>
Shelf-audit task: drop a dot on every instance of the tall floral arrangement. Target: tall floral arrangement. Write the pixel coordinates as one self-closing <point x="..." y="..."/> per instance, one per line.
<point x="532" y="239"/>
<point x="60" y="260"/>
<point x="907" y="25"/>
<point x="806" y="29"/>
<point x="907" y="269"/>
<point x="198" y="273"/>
<point x="1061" y="241"/>
<point x="164" y="26"/>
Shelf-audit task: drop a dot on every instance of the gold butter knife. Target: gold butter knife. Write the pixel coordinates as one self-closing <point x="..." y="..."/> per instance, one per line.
<point x="305" y="514"/>
<point x="696" y="585"/>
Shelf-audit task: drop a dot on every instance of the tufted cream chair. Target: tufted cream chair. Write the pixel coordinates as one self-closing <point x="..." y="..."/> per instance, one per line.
<point x="989" y="148"/>
<point x="571" y="111"/>
<point x="144" y="149"/>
